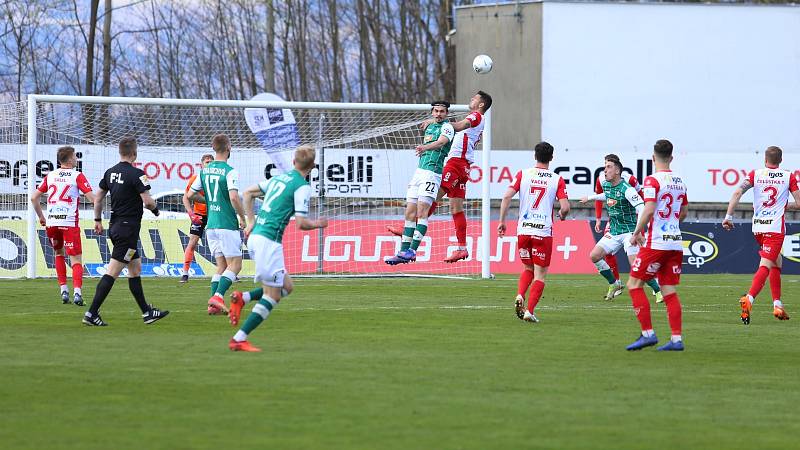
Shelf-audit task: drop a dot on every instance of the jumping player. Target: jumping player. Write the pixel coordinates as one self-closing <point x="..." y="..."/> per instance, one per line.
<point x="660" y="248"/>
<point x="772" y="187"/>
<point x="424" y="185"/>
<point x="456" y="170"/>
<point x="538" y="188"/>
<point x="64" y="187"/>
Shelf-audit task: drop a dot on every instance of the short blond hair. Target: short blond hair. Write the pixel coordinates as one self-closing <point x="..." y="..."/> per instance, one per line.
<point x="304" y="157"/>
<point x="221" y="143"/>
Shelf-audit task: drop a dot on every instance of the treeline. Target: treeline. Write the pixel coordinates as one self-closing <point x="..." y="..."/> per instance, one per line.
<point x="326" y="50"/>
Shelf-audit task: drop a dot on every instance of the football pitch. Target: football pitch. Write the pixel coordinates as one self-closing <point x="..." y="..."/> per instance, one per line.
<point x="399" y="364"/>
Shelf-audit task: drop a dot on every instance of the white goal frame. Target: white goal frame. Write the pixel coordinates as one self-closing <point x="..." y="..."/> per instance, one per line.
<point x="33" y="99"/>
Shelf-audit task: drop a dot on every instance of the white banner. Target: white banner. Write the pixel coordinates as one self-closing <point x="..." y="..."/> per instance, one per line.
<point x="376" y="173"/>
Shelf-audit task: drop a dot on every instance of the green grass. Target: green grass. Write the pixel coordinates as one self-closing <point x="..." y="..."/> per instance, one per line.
<point x="398" y="364"/>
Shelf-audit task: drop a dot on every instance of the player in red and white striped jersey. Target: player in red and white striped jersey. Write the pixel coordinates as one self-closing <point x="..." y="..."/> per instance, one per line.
<point x="539" y="188"/>
<point x="455" y="174"/>
<point x="63" y="187"/>
<point x="771" y="188"/>
<point x="661" y="247"/>
<point x="610" y="259"/>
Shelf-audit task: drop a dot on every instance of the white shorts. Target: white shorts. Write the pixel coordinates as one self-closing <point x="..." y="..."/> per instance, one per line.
<point x="222" y="242"/>
<point x="268" y="256"/>
<point x="423" y="185"/>
<point x="612" y="244"/>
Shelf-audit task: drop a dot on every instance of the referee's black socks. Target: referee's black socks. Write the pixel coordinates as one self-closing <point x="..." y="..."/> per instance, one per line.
<point x="100" y="294"/>
<point x="135" y="284"/>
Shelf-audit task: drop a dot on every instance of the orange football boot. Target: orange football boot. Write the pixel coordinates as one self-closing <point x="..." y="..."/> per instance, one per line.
<point x="457" y="255"/>
<point x="395" y="230"/>
<point x="218" y="303"/>
<point x="237" y="302"/>
<point x="243" y="346"/>
<point x="779" y="313"/>
<point x="744" y="302"/>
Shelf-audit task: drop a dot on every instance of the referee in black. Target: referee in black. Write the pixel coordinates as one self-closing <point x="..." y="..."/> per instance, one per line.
<point x="129" y="194"/>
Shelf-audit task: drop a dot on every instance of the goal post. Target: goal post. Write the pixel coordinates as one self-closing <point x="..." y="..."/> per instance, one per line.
<point x="365" y="159"/>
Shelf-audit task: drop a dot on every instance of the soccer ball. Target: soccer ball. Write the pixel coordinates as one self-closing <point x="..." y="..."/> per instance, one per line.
<point x="482" y="64"/>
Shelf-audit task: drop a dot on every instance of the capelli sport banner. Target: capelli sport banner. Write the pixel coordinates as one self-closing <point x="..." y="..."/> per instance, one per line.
<point x="359" y="246"/>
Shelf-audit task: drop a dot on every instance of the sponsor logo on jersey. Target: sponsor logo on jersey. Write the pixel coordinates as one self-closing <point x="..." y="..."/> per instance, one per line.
<point x="699" y="249"/>
<point x="762" y="221"/>
<point x="611" y="202"/>
<point x="537" y="226"/>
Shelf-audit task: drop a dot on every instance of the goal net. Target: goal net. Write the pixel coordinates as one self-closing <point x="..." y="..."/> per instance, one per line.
<point x="365" y="159"/>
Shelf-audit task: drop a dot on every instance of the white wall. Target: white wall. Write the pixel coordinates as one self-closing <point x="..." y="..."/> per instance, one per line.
<point x="712" y="78"/>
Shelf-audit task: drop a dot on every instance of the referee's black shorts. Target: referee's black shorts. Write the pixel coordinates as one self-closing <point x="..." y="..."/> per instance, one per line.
<point x="197" y="230"/>
<point x="124" y="236"/>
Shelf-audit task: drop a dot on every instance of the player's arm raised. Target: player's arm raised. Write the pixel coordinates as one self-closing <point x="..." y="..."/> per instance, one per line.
<point x="745" y="186"/>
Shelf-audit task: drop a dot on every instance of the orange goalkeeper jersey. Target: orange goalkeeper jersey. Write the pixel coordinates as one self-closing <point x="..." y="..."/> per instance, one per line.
<point x="199" y="208"/>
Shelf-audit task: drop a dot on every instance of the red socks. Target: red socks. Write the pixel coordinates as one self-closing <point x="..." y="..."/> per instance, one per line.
<point x="758" y="281"/>
<point x="77" y="275"/>
<point x="775" y="282"/>
<point x="525" y="279"/>
<point x="61" y="270"/>
<point x="641" y="307"/>
<point x="673" y="304"/>
<point x="611" y="260"/>
<point x="460" y="221"/>
<point x="536" y="294"/>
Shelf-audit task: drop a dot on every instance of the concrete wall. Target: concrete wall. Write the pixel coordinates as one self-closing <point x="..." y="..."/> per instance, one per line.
<point x="605" y="76"/>
<point x="515" y="45"/>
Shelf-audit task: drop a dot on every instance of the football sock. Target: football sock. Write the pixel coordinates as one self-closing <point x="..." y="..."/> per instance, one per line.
<point x="101" y="292"/>
<point x="777" y="303"/>
<point x="653" y="283"/>
<point x="611" y="260"/>
<point x="260" y="312"/>
<point x="135" y="285"/>
<point x="605" y="271"/>
<point x="648" y="333"/>
<point x="775" y="282"/>
<point x="673" y="304"/>
<point x="215" y="282"/>
<point x="676" y="338"/>
<point x="61" y="270"/>
<point x="408" y="234"/>
<point x="525" y="279"/>
<point x="758" y="281"/>
<point x="77" y="290"/>
<point x="460" y="220"/>
<point x="433" y="209"/>
<point x="77" y="277"/>
<point x="255" y="293"/>
<point x="188" y="257"/>
<point x="536" y="294"/>
<point x="225" y="281"/>
<point x="641" y="307"/>
<point x="64" y="288"/>
<point x="419" y="233"/>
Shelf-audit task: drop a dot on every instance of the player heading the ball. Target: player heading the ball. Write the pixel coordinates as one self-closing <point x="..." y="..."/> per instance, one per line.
<point x="424" y="185"/>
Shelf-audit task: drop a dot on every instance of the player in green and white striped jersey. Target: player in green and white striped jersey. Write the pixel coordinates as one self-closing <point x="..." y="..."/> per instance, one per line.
<point x="220" y="184"/>
<point x="623" y="204"/>
<point x="285" y="195"/>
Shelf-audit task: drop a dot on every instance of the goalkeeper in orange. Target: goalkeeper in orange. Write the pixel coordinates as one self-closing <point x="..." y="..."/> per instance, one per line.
<point x="198" y="216"/>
